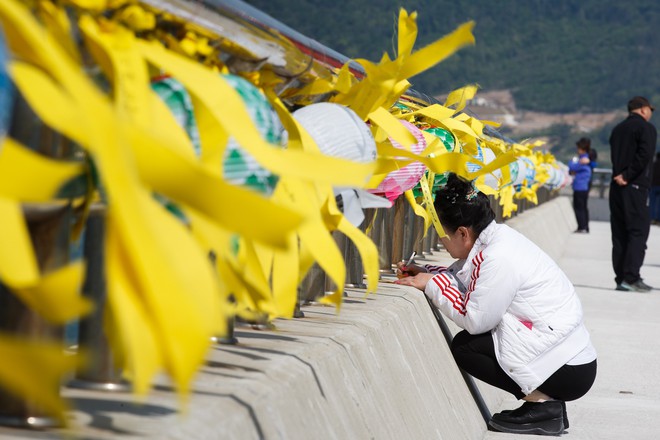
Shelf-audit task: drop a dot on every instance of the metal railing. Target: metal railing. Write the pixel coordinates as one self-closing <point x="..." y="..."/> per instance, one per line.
<point x="600" y="181"/>
<point x="397" y="232"/>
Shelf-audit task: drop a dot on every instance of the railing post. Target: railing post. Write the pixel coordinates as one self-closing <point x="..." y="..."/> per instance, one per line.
<point x="49" y="227"/>
<point x="354" y="267"/>
<point x="341" y="241"/>
<point x="386" y="225"/>
<point x="230" y="337"/>
<point x="397" y="232"/>
<point x="371" y="216"/>
<point x="427" y="246"/>
<point x="419" y="236"/>
<point x="313" y="285"/>
<point x="409" y="232"/>
<point x="100" y="372"/>
<point x="497" y="209"/>
<point x="435" y="239"/>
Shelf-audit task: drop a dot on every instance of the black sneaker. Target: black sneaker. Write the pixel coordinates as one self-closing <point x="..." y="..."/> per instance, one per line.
<point x="563" y="407"/>
<point x="637" y="286"/>
<point x="642" y="286"/>
<point x="542" y="418"/>
<point x="624" y="287"/>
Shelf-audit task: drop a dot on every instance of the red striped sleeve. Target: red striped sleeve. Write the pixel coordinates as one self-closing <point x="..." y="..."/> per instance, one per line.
<point x="476" y="262"/>
<point x="435" y="269"/>
<point x="450" y="292"/>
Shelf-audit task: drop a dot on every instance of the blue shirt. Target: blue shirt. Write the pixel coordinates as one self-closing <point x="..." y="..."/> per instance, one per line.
<point x="582" y="174"/>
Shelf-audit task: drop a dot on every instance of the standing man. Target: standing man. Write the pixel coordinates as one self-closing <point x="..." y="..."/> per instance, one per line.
<point x="632" y="144"/>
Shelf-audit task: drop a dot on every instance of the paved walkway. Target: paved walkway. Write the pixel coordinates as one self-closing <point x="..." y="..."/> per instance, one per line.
<point x="624" y="403"/>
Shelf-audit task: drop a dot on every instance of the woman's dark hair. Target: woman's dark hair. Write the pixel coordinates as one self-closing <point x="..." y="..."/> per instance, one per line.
<point x="584" y="144"/>
<point x="459" y="204"/>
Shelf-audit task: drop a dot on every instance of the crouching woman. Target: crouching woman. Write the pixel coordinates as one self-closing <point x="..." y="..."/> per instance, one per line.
<point x="522" y="319"/>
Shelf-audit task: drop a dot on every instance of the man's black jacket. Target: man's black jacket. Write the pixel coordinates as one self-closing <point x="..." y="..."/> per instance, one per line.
<point x="632" y="145"/>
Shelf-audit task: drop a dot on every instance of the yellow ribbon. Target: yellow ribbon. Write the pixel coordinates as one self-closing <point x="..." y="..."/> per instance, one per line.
<point x="417" y="209"/>
<point x="169" y="275"/>
<point x="459" y="97"/>
<point x="215" y="98"/>
<point x="387" y="81"/>
<point x="57" y="295"/>
<point x="31" y="177"/>
<point x="18" y="265"/>
<point x="34" y="370"/>
<point x="430" y="208"/>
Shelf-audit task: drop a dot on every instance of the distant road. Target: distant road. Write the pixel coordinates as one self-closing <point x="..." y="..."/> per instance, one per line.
<point x="599" y="209"/>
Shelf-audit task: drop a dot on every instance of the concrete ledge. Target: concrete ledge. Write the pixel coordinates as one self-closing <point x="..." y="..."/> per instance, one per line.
<point x="379" y="369"/>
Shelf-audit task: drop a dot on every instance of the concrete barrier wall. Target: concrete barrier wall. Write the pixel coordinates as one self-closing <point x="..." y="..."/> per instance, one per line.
<point x="548" y="225"/>
<point x="380" y="369"/>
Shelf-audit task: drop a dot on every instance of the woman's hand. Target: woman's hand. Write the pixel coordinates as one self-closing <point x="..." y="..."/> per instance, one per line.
<point x="403" y="271"/>
<point x="419" y="280"/>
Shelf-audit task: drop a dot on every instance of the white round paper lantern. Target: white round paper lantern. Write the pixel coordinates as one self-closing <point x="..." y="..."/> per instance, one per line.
<point x="338" y="131"/>
<point x="494" y="179"/>
<point x="526" y="172"/>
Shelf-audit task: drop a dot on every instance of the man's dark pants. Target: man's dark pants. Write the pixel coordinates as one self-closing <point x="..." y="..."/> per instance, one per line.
<point x="630" y="222"/>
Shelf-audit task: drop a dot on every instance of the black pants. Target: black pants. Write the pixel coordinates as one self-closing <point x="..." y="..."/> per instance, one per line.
<point x="630" y="222"/>
<point x="476" y="355"/>
<point x="580" y="199"/>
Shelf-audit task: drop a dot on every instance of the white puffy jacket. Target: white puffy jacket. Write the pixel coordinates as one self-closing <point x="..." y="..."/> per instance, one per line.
<point x="513" y="289"/>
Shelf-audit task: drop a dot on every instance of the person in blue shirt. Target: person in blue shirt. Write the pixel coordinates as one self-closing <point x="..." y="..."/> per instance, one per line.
<point x="593" y="157"/>
<point x="581" y="170"/>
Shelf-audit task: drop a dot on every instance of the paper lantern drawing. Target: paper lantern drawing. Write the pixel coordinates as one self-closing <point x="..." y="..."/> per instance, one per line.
<point x="399" y="181"/>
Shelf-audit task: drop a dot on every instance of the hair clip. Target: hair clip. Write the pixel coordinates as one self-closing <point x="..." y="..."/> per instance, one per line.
<point x="472" y="193"/>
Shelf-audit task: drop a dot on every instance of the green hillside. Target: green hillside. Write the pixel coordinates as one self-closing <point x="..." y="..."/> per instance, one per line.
<point x="555" y="55"/>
